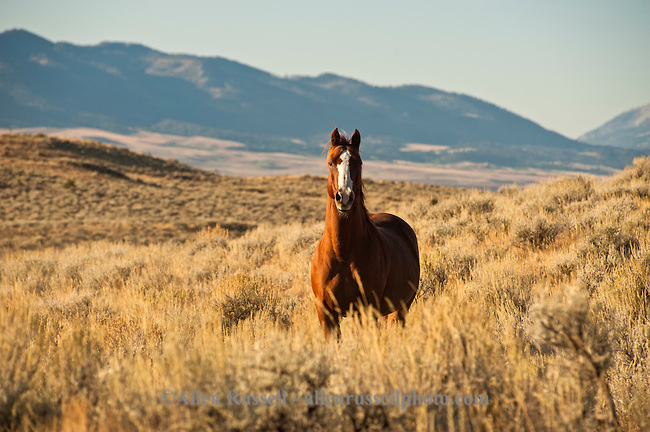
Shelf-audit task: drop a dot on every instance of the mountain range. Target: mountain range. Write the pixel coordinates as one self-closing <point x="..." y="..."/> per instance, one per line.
<point x="630" y="130"/>
<point x="126" y="88"/>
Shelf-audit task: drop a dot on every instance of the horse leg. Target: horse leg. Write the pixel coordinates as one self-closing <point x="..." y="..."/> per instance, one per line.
<point x="398" y="316"/>
<point x="329" y="320"/>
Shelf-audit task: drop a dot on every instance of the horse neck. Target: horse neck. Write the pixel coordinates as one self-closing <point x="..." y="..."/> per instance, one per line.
<point x="345" y="232"/>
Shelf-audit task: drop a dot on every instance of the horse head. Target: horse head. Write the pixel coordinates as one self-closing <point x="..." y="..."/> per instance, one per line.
<point x="344" y="161"/>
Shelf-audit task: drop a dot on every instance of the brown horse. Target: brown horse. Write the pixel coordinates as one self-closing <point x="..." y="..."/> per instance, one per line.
<point x="362" y="259"/>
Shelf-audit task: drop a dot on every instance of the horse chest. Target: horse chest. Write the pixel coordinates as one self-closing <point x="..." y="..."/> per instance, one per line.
<point x="349" y="283"/>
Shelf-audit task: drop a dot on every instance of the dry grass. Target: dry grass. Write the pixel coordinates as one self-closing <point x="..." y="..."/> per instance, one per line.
<point x="537" y="297"/>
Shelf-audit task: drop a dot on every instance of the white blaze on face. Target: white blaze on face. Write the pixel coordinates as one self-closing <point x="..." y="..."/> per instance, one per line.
<point x="345" y="180"/>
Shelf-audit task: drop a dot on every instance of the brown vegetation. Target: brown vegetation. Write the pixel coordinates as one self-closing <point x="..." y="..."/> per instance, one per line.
<point x="536" y="296"/>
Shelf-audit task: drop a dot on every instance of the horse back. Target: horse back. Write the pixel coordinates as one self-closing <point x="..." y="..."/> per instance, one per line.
<point x="397" y="229"/>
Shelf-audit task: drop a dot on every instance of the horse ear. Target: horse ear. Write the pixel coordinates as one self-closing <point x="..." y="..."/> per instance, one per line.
<point x="356" y="139"/>
<point x="335" y="138"/>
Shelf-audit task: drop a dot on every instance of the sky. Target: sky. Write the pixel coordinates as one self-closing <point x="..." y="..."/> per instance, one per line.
<point x="567" y="65"/>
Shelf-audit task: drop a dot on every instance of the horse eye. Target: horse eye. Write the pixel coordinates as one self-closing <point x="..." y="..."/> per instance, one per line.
<point x="330" y="164"/>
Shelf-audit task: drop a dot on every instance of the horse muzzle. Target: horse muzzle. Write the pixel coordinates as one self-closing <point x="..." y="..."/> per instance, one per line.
<point x="344" y="200"/>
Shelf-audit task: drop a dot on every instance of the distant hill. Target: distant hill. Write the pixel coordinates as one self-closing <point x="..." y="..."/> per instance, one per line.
<point x="56" y="191"/>
<point x="629" y="130"/>
<point x="128" y="87"/>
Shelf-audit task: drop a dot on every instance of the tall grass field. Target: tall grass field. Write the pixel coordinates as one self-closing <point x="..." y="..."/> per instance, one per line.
<point x="140" y="294"/>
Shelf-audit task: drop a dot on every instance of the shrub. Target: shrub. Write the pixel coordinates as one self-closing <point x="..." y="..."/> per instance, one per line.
<point x="447" y="264"/>
<point x="536" y="233"/>
<point x="252" y="296"/>
<point x="566" y="323"/>
<point x="479" y="204"/>
<point x="608" y="243"/>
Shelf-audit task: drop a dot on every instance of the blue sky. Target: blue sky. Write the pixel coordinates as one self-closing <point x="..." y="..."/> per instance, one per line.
<point x="568" y="65"/>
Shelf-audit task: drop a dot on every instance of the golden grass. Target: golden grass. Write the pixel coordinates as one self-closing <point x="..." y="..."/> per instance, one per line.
<point x="537" y="297"/>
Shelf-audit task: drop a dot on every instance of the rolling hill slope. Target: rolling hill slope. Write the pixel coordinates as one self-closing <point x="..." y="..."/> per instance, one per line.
<point x="55" y="192"/>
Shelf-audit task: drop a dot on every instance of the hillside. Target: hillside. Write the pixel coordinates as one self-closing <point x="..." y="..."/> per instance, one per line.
<point x="533" y="311"/>
<point x="630" y="130"/>
<point x="126" y="88"/>
<point x="56" y="191"/>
